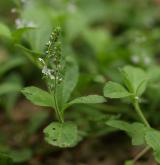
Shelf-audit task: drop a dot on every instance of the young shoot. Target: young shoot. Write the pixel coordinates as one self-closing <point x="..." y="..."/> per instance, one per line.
<point x="135" y="82"/>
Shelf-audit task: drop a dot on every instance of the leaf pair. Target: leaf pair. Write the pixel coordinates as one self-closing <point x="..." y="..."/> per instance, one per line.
<point x="135" y="80"/>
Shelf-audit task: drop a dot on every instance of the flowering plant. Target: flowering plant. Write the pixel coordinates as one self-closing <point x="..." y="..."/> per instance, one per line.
<point x="61" y="78"/>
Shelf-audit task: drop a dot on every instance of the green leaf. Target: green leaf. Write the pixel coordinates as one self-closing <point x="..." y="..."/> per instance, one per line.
<point x="101" y="37"/>
<point x="5" y="159"/>
<point x="36" y="121"/>
<point x="69" y="82"/>
<point x="17" y="35"/>
<point x="14" y="80"/>
<point x="10" y="64"/>
<point x="44" y="20"/>
<point x="61" y="134"/>
<point x="115" y="90"/>
<point x="5" y="31"/>
<point x="32" y="55"/>
<point x="135" y="79"/>
<point x="90" y="99"/>
<point x="9" y="87"/>
<point x="153" y="140"/>
<point x="21" y="155"/>
<point x="38" y="96"/>
<point x="9" y="155"/>
<point x="135" y="130"/>
<point x="129" y="162"/>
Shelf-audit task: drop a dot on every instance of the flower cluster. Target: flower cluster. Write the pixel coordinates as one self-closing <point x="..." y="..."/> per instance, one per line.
<point x="52" y="60"/>
<point x="20" y="23"/>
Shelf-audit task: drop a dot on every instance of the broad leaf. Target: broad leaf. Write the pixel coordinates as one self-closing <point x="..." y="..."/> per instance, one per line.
<point x="8" y="155"/>
<point x="135" y="79"/>
<point x="153" y="140"/>
<point x="69" y="82"/>
<point x="115" y="90"/>
<point x="9" y="87"/>
<point x="10" y="64"/>
<point x="5" y="31"/>
<point x="135" y="130"/>
<point x="17" y="35"/>
<point x="35" y="12"/>
<point x="32" y="55"/>
<point x="61" y="134"/>
<point x="90" y="99"/>
<point x="21" y="155"/>
<point x="101" y="37"/>
<point x="38" y="96"/>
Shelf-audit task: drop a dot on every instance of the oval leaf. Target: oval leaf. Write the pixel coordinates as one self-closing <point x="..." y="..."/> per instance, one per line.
<point x="38" y="96"/>
<point x="61" y="134"/>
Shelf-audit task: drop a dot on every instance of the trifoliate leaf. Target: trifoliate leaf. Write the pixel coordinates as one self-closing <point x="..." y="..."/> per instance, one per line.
<point x="115" y="90"/>
<point x="135" y="79"/>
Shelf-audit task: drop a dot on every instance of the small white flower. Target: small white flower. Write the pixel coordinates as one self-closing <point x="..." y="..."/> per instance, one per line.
<point x="52" y="77"/>
<point x="41" y="60"/>
<point x="19" y="23"/>
<point x="31" y="24"/>
<point x="46" y="71"/>
<point x="13" y="10"/>
<point x="135" y="59"/>
<point x="72" y="8"/>
<point x="137" y="98"/>
<point x="60" y="79"/>
<point x="22" y="23"/>
<point x="23" y="1"/>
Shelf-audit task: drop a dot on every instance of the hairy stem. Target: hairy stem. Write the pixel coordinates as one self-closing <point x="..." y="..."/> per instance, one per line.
<point x="57" y="111"/>
<point x="56" y="103"/>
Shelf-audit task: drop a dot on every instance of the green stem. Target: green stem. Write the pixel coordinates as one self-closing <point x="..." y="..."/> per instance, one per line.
<point x="144" y="120"/>
<point x="57" y="111"/>
<point x="139" y="112"/>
